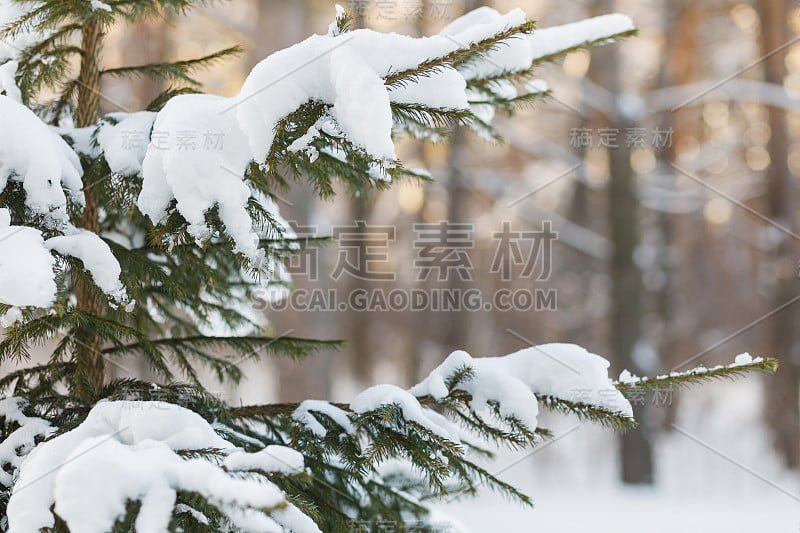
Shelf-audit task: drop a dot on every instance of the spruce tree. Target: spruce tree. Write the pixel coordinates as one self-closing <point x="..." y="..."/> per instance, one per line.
<point x="108" y="253"/>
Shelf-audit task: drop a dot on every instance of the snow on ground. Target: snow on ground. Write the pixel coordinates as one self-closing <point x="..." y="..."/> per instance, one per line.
<point x="600" y="508"/>
<point x="573" y="481"/>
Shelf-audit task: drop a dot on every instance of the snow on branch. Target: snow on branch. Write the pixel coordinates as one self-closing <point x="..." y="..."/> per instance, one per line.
<point x="40" y="160"/>
<point x="199" y="179"/>
<point x="124" y="156"/>
<point x="25" y="433"/>
<point x="343" y="95"/>
<point x="464" y="405"/>
<point x="154" y="453"/>
<point x="491" y="79"/>
<point x="329" y="106"/>
<point x="562" y="376"/>
<point x="743" y="363"/>
<point x="12" y="46"/>
<point x="36" y="161"/>
<point x="344" y="72"/>
<point x="563" y="371"/>
<point x="96" y="257"/>
<point x="150" y="452"/>
<point x="308" y="411"/>
<point x="551" y="43"/>
<point x="26" y="266"/>
<point x="27" y="276"/>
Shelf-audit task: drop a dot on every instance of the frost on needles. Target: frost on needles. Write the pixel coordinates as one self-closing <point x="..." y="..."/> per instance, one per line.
<point x="151" y="252"/>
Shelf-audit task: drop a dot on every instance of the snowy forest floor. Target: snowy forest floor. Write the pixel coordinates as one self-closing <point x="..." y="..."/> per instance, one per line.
<point x="699" y="485"/>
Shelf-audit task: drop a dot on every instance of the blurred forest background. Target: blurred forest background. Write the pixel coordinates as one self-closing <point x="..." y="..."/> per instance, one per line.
<point x="667" y="166"/>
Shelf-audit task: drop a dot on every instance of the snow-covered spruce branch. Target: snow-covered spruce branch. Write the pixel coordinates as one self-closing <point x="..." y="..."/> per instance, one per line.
<point x="467" y="51"/>
<point x="458" y="400"/>
<point x="552" y="44"/>
<point x="743" y="364"/>
<point x="148" y="465"/>
<point x="412" y="444"/>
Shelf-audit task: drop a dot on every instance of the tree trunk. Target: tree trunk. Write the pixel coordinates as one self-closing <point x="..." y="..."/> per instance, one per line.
<point x="681" y="21"/>
<point x="456" y="324"/>
<point x="360" y="324"/>
<point x="626" y="278"/>
<point x="626" y="304"/>
<point x="782" y="405"/>
<point x="147" y="42"/>
<point x="276" y="25"/>
<point x="419" y="322"/>
<point x="90" y="373"/>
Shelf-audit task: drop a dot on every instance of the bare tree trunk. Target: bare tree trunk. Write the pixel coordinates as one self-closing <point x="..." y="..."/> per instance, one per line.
<point x="147" y="42"/>
<point x="579" y="205"/>
<point x="360" y="325"/>
<point x="419" y="321"/>
<point x="278" y="24"/>
<point x="626" y="278"/>
<point x="681" y="19"/>
<point x="456" y="325"/>
<point x="782" y="405"/>
<point x="626" y="306"/>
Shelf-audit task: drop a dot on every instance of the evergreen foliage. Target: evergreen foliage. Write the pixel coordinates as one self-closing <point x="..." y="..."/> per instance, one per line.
<point x="176" y="289"/>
